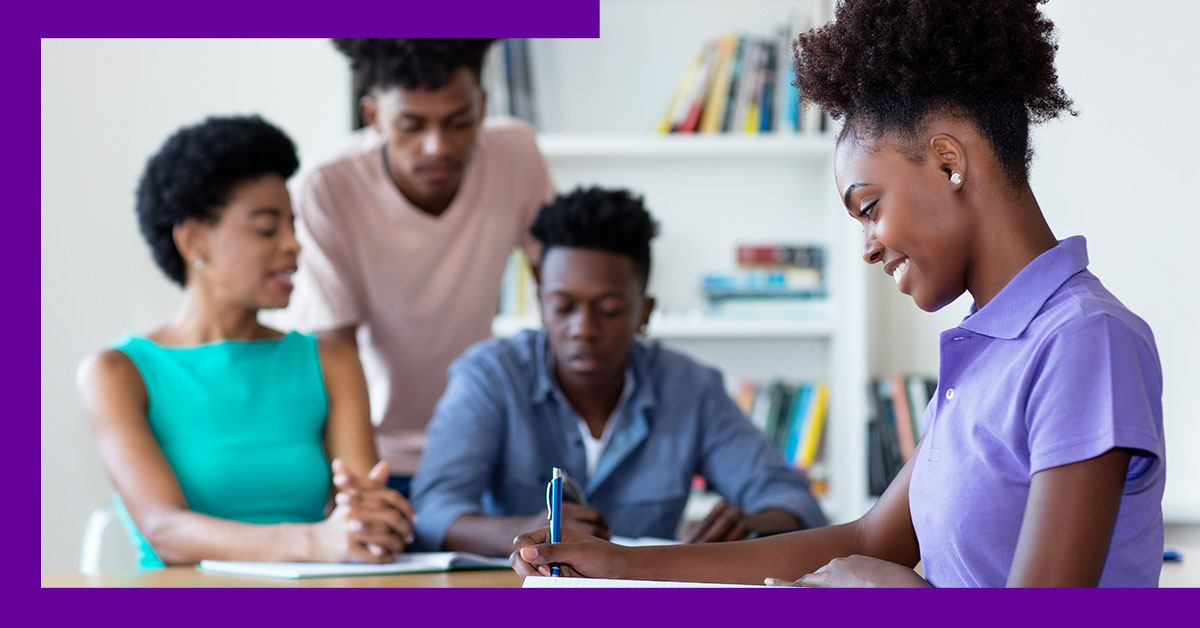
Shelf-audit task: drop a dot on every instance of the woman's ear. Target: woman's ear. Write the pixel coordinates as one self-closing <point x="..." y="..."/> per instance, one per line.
<point x="191" y="240"/>
<point x="950" y="157"/>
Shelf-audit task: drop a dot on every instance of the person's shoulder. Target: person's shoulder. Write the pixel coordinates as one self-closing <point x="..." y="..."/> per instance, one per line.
<point x="347" y="161"/>
<point x="670" y="367"/>
<point x="1084" y="306"/>
<point x="504" y="135"/>
<point x="109" y="370"/>
<point x="518" y="349"/>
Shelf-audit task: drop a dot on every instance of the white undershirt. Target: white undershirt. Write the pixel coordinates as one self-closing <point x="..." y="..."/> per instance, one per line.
<point x="592" y="446"/>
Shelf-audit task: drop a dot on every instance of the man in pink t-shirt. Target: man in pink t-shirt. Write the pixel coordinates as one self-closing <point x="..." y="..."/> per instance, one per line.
<point x="406" y="233"/>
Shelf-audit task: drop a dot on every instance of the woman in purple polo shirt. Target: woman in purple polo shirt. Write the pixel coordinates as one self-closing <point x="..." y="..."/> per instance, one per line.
<point x="1042" y="461"/>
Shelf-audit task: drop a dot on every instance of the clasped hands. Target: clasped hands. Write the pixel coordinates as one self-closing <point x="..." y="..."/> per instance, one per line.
<point x="370" y="522"/>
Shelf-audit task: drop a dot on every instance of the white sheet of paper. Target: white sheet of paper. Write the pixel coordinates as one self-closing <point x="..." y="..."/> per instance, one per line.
<point x="416" y="562"/>
<point x="543" y="582"/>
<point x="642" y="541"/>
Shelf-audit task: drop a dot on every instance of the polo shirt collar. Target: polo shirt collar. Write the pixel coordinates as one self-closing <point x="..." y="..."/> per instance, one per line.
<point x="1008" y="313"/>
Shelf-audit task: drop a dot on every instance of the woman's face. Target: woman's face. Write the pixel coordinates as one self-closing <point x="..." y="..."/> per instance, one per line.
<point x="913" y="225"/>
<point x="250" y="252"/>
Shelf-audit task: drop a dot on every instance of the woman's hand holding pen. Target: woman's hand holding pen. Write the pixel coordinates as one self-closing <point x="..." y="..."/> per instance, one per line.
<point x="578" y="555"/>
<point x="370" y="522"/>
<point x="856" y="571"/>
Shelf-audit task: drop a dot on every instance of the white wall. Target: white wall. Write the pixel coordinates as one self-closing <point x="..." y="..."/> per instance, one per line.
<point x="1119" y="174"/>
<point x="106" y="106"/>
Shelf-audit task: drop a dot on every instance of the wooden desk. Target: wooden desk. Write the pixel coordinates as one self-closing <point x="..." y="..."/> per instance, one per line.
<point x="1181" y="574"/>
<point x="192" y="577"/>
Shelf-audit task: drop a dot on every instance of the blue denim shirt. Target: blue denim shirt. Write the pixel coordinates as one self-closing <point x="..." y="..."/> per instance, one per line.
<point x="503" y="423"/>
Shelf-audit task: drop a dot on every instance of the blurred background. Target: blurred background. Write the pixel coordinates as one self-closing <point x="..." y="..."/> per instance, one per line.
<point x="757" y="271"/>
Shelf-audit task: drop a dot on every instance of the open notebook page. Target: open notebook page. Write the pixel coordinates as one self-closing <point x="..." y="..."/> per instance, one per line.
<point x="543" y="582"/>
<point x="415" y="562"/>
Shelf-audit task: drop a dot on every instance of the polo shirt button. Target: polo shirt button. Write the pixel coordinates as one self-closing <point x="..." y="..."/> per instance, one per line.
<point x="949" y="394"/>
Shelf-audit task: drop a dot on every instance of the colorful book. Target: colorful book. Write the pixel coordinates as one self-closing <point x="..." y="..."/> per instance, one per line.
<point x="718" y="93"/>
<point x="814" y="426"/>
<point x="918" y="400"/>
<point x="795" y="432"/>
<point x="698" y="92"/>
<point x="904" y="428"/>
<point x="741" y="67"/>
<point x="677" y="108"/>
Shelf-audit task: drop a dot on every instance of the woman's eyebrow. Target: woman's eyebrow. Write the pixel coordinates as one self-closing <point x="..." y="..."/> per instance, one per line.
<point x="851" y="188"/>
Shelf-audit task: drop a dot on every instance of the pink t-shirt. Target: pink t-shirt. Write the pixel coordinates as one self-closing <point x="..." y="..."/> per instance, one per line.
<point x="421" y="288"/>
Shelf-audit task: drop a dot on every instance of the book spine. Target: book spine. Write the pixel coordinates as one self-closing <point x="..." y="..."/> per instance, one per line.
<point x="815" y="427"/>
<point x="718" y="94"/>
<point x="736" y="78"/>
<point x="678" y="105"/>
<point x="904" y="431"/>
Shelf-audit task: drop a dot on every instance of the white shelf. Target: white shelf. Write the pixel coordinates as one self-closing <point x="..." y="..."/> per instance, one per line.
<point x="817" y="147"/>
<point x="677" y="327"/>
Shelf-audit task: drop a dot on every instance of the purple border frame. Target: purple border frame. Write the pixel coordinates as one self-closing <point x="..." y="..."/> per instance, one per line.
<point x="480" y="18"/>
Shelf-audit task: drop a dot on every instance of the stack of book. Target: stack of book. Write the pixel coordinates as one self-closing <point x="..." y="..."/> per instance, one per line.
<point x="898" y="402"/>
<point x="769" y="280"/>
<point x="741" y="84"/>
<point x="792" y="416"/>
<point x="518" y="290"/>
<point x="509" y="81"/>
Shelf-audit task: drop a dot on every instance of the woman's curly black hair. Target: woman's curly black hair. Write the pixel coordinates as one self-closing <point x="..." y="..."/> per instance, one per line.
<point x="411" y="63"/>
<point x="193" y="172"/>
<point x="612" y="220"/>
<point x="883" y="65"/>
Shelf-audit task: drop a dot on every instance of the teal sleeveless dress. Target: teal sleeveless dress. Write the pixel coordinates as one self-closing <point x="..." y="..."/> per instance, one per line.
<point x="242" y="425"/>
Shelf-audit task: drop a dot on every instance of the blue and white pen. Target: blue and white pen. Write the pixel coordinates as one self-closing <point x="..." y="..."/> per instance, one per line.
<point x="554" y="493"/>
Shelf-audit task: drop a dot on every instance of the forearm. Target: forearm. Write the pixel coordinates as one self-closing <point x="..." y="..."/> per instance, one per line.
<point x="185" y="537"/>
<point x="486" y="534"/>
<point x="786" y="556"/>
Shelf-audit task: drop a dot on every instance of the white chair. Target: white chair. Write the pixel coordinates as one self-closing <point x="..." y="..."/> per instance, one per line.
<point x="106" y="546"/>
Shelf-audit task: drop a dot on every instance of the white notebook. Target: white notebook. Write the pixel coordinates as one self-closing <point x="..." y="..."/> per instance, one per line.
<point x="415" y="562"/>
<point x="542" y="582"/>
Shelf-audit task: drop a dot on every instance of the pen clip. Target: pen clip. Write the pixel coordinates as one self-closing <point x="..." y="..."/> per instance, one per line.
<point x="549" y="488"/>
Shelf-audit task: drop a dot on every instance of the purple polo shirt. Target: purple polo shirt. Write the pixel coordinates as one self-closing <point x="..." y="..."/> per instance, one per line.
<point x="1053" y="370"/>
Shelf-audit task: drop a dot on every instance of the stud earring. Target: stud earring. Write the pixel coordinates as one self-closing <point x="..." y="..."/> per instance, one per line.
<point x="956" y="178"/>
<point x="199" y="263"/>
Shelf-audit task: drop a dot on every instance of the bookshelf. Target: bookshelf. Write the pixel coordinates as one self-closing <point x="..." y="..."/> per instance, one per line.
<point x="599" y="101"/>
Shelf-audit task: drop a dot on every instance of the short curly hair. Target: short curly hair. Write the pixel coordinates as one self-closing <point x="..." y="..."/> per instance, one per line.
<point x="411" y="63"/>
<point x="612" y="220"/>
<point x="191" y="176"/>
<point x="885" y="65"/>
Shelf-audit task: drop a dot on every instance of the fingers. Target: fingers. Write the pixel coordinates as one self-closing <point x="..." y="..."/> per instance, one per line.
<point x="379" y="472"/>
<point x="738" y="532"/>
<point x="589" y="529"/>
<point x="397" y="501"/>
<point x="538" y="555"/>
<point x="699" y="530"/>
<point x="384" y="519"/>
<point x="723" y="526"/>
<point x="780" y="582"/>
<point x="380" y="536"/>
<point x="521" y="567"/>
<point x="586" y="520"/>
<point x="533" y="537"/>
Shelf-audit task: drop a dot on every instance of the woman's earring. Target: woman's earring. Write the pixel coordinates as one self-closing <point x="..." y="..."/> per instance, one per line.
<point x="199" y="263"/>
<point x="955" y="178"/>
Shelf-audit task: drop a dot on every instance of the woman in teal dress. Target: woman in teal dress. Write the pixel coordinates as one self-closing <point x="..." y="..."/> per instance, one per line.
<point x="215" y="430"/>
